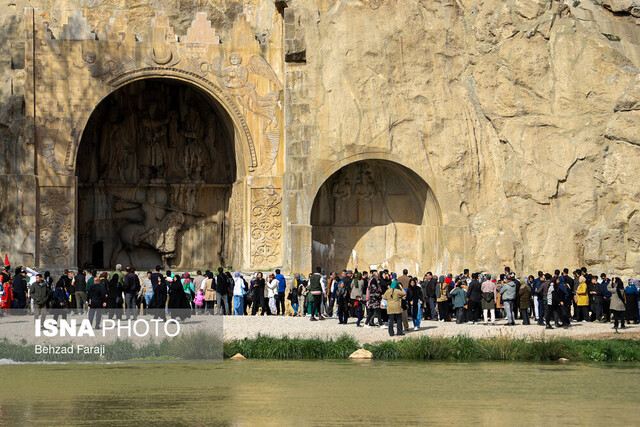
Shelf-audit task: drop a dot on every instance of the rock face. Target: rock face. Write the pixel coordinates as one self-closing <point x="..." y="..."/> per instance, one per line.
<point x="361" y="354"/>
<point x="496" y="132"/>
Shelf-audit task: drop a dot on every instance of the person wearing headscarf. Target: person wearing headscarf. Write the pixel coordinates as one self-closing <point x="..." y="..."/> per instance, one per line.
<point x="617" y="302"/>
<point x="442" y="297"/>
<point x="394" y="296"/>
<point x="159" y="299"/>
<point x="489" y="295"/>
<point x="189" y="290"/>
<point x="209" y="292"/>
<point x="179" y="305"/>
<point x="415" y="299"/>
<point x="272" y="292"/>
<point x="258" y="295"/>
<point x="632" y="292"/>
<point x="239" y="291"/>
<point x="582" y="300"/>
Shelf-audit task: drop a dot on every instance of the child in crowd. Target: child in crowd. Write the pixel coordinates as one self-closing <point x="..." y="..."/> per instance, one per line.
<point x="359" y="305"/>
<point x="199" y="300"/>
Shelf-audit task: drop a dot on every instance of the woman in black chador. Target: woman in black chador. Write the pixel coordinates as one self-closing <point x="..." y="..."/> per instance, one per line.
<point x="159" y="298"/>
<point x="179" y="306"/>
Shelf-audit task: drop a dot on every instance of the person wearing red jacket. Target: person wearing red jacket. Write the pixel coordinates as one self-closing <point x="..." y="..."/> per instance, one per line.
<point x="6" y="286"/>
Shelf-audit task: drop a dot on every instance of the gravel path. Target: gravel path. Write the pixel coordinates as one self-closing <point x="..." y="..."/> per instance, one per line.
<point x="17" y="328"/>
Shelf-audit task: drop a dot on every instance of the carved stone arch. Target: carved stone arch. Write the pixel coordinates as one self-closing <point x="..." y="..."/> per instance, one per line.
<point x="246" y="157"/>
<point x="372" y="210"/>
<point x="327" y="172"/>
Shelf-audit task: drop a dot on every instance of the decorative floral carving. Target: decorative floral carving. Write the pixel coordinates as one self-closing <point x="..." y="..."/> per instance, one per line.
<point x="266" y="226"/>
<point x="107" y="65"/>
<point x="55" y="226"/>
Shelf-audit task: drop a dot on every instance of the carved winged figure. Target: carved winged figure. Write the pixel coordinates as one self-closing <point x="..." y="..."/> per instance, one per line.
<point x="234" y="78"/>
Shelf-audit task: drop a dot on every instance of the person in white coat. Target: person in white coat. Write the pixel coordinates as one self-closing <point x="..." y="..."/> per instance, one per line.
<point x="272" y="292"/>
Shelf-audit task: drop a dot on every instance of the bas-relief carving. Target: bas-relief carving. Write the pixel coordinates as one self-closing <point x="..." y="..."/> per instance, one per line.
<point x="55" y="225"/>
<point x="231" y="75"/>
<point x="366" y="213"/>
<point x="163" y="43"/>
<point x="266" y="226"/>
<point x="107" y="65"/>
<point x="111" y="173"/>
<point x="153" y="165"/>
<point x="49" y="156"/>
<point x="234" y="78"/>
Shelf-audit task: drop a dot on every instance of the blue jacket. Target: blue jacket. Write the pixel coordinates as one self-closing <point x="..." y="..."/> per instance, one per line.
<point x="459" y="297"/>
<point x="605" y="285"/>
<point x="282" y="283"/>
<point x="535" y="287"/>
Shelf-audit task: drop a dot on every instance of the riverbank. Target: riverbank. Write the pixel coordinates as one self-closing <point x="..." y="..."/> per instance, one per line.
<point x="18" y="328"/>
<point x="202" y="345"/>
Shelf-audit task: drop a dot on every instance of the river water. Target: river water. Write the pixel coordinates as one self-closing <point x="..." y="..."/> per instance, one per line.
<point x="259" y="392"/>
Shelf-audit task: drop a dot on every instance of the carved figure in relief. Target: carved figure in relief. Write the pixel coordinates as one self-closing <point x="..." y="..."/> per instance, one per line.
<point x="154" y="130"/>
<point x="235" y="79"/>
<point x="365" y="190"/>
<point x="158" y="224"/>
<point x="122" y="163"/>
<point x="341" y="191"/>
<point x="193" y="152"/>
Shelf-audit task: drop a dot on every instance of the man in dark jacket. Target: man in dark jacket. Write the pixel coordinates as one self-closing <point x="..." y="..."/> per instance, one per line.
<point x="40" y="294"/>
<point x="315" y="290"/>
<point x="97" y="301"/>
<point x="222" y="289"/>
<point x="404" y="282"/>
<point x="431" y="284"/>
<point x="606" y="298"/>
<point x="474" y="297"/>
<point x="131" y="289"/>
<point x="596" y="294"/>
<point x="80" y="284"/>
<point x="543" y="292"/>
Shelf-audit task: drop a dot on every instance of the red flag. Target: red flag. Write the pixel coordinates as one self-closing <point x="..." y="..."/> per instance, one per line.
<point x="6" y="260"/>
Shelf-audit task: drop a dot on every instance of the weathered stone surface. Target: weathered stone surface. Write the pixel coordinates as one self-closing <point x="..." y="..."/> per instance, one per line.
<point x="620" y="5"/>
<point x="361" y="354"/>
<point x="520" y="118"/>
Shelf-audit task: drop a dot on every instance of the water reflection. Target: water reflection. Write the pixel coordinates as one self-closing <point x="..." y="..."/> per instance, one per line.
<point x="318" y="393"/>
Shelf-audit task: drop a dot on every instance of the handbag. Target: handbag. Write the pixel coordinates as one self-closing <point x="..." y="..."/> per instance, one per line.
<point x="383" y="304"/>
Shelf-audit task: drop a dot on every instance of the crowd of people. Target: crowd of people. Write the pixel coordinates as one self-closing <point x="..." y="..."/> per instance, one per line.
<point x="373" y="298"/>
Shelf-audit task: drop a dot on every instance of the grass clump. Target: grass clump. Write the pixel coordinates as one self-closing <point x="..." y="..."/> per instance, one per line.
<point x="505" y="348"/>
<point x="194" y="345"/>
<point x="264" y="347"/>
<point x="612" y="37"/>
